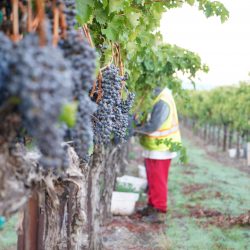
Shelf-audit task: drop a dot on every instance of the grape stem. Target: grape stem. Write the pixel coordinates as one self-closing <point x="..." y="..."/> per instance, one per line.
<point x="29" y="12"/>
<point x="87" y="35"/>
<point x="56" y="24"/>
<point x="93" y="89"/>
<point x="15" y="37"/>
<point x="62" y="21"/>
<point x="41" y="29"/>
<point x="100" y="92"/>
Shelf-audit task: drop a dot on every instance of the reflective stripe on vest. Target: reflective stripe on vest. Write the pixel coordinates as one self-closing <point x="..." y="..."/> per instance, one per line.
<point x="164" y="132"/>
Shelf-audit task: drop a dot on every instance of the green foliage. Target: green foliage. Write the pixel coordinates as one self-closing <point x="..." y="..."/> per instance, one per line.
<point x="214" y="8"/>
<point x="175" y="147"/>
<point x="133" y="24"/>
<point x="228" y="106"/>
<point x="150" y="63"/>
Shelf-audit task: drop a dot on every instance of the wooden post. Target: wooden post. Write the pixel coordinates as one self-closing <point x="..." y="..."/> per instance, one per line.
<point x="238" y="145"/>
<point x="224" y="138"/>
<point x="218" y="136"/>
<point x="230" y="143"/>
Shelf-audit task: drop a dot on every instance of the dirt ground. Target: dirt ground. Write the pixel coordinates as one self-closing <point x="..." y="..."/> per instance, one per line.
<point x="130" y="233"/>
<point x="189" y="217"/>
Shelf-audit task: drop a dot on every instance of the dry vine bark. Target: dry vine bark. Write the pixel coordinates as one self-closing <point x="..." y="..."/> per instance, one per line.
<point x="16" y="168"/>
<point x="59" y="209"/>
<point x="115" y="164"/>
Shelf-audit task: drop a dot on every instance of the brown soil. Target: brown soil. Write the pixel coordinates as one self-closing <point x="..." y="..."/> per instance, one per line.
<point x="199" y="212"/>
<point x="124" y="233"/>
<point x="215" y="217"/>
<point x="188" y="189"/>
<point x="228" y="220"/>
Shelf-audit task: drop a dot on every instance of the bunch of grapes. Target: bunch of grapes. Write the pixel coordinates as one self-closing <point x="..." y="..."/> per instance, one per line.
<point x="122" y="117"/>
<point x="82" y="58"/>
<point x="70" y="12"/>
<point x="103" y="120"/>
<point x="41" y="79"/>
<point x="83" y="64"/>
<point x="6" y="50"/>
<point x="82" y="133"/>
<point x="111" y="117"/>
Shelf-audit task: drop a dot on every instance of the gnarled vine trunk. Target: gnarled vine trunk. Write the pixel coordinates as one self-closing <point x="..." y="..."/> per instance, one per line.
<point x="56" y="215"/>
<point x="67" y="213"/>
<point x="94" y="186"/>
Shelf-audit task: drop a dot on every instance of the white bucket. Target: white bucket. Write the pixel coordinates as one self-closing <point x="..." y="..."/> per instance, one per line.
<point x="137" y="184"/>
<point x="123" y="203"/>
<point x="232" y="152"/>
<point x="142" y="171"/>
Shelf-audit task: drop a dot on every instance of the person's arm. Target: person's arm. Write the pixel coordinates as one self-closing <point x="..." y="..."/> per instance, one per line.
<point x="159" y="115"/>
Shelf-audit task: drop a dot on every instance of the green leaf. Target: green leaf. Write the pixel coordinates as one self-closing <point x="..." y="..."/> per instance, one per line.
<point x="133" y="18"/>
<point x="68" y="114"/>
<point x="110" y="33"/>
<point x="104" y="3"/>
<point x="101" y="16"/>
<point x="114" y="28"/>
<point x="116" y="5"/>
<point x="84" y="10"/>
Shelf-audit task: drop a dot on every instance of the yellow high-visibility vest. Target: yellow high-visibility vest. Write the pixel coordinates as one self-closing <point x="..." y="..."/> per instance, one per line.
<point x="169" y="129"/>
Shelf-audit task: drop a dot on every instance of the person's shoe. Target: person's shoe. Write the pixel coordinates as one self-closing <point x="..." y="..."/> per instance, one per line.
<point x="156" y="217"/>
<point x="146" y="210"/>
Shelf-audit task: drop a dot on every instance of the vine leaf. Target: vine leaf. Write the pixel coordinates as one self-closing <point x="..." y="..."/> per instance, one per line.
<point x="133" y="18"/>
<point x="84" y="10"/>
<point x="116" y="5"/>
<point x="100" y="16"/>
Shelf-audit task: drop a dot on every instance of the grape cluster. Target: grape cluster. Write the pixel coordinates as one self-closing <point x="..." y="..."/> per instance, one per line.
<point x="6" y="50"/>
<point x="70" y="12"/>
<point x="83" y="64"/>
<point x="42" y="81"/>
<point x="122" y="117"/>
<point x="82" y="133"/>
<point x="77" y="50"/>
<point x="111" y="117"/>
<point x="82" y="58"/>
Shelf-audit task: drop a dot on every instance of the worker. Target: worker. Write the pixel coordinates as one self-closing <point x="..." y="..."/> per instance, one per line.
<point x="162" y="123"/>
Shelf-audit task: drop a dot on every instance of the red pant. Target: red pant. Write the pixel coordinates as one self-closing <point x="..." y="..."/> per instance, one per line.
<point x="157" y="175"/>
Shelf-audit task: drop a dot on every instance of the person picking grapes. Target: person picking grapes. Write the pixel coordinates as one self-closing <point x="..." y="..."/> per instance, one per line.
<point x="162" y="123"/>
